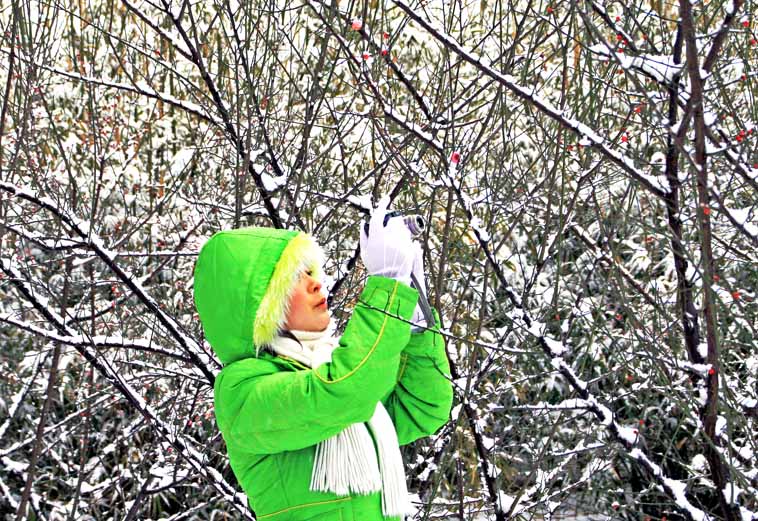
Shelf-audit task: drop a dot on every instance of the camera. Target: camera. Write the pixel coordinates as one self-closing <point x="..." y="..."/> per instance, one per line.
<point x="415" y="223"/>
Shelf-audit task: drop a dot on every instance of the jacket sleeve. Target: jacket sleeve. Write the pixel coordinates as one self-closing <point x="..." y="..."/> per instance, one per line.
<point x="421" y="400"/>
<point x="290" y="410"/>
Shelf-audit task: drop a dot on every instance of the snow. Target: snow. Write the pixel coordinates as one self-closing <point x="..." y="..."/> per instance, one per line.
<point x="730" y="492"/>
<point x="721" y="426"/>
<point x="742" y="217"/>
<point x="745" y="452"/>
<point x="571" y="375"/>
<point x="176" y="42"/>
<point x="362" y="201"/>
<point x="699" y="463"/>
<point x="606" y="416"/>
<point x="506" y="501"/>
<point x="180" y="161"/>
<point x="628" y="434"/>
<point x="700" y="369"/>
<point x="413" y="127"/>
<point x="271" y="183"/>
<point x="13" y="466"/>
<point x="660" y="67"/>
<point x="17" y="399"/>
<point x="476" y="224"/>
<point x="556" y="347"/>
<point x="167" y="474"/>
<point x="545" y="106"/>
<point x="139" y="87"/>
<point x="675" y="488"/>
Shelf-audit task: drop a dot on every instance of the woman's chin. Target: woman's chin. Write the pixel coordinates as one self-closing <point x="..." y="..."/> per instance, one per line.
<point x="325" y="321"/>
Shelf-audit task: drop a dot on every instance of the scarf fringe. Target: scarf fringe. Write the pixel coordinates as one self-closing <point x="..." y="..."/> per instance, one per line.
<point x="395" y="491"/>
<point x="356" y="470"/>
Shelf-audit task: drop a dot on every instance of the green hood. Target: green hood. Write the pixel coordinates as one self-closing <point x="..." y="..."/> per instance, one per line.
<point x="243" y="279"/>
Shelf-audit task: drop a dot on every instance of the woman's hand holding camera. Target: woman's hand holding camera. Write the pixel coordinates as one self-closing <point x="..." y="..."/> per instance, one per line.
<point x="388" y="251"/>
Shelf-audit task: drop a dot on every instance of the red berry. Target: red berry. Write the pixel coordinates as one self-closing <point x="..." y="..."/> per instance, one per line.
<point x="618" y="18"/>
<point x="366" y="56"/>
<point x="455" y="157"/>
<point x="706" y="210"/>
<point x="624" y="138"/>
<point x="386" y="36"/>
<point x="716" y="278"/>
<point x="385" y="52"/>
<point x="357" y="25"/>
<point x="711" y="371"/>
<point x="619" y="37"/>
<point x="549" y="10"/>
<point x="642" y="422"/>
<point x="736" y="295"/>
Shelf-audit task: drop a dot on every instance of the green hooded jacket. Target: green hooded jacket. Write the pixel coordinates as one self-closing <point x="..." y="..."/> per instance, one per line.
<point x="272" y="411"/>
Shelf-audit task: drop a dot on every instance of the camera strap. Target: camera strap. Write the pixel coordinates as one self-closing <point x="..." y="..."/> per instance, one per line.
<point x="426" y="309"/>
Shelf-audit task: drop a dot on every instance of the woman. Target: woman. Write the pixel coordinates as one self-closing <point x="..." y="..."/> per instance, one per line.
<point x="313" y="423"/>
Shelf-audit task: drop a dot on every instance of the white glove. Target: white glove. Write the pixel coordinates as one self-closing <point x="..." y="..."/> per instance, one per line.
<point x="418" y="318"/>
<point x="387" y="251"/>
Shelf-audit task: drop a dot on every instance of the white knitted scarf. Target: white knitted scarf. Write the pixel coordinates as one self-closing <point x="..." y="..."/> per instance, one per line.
<point x="347" y="462"/>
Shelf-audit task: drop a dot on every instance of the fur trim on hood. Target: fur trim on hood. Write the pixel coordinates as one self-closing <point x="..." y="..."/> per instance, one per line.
<point x="242" y="283"/>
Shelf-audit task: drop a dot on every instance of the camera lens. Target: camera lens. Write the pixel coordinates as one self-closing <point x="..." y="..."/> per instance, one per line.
<point x="415" y="224"/>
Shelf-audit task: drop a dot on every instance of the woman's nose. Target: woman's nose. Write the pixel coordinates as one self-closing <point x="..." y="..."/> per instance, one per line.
<point x="316" y="286"/>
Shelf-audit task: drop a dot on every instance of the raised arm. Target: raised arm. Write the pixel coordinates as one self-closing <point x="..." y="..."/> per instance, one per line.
<point x="262" y="410"/>
<point x="420" y="402"/>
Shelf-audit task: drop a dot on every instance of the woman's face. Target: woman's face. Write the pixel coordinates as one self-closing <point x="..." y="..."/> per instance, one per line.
<point x="308" y="309"/>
